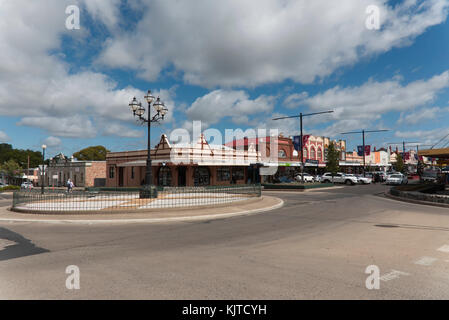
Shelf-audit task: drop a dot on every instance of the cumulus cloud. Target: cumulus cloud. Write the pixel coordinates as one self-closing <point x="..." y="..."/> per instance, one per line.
<point x="248" y="43"/>
<point x="119" y="130"/>
<point x="3" y="137"/>
<point x="372" y="99"/>
<point x="36" y="84"/>
<point x="76" y="126"/>
<point x="421" y="115"/>
<point x="236" y="104"/>
<point x="425" y="136"/>
<point x="52" y="142"/>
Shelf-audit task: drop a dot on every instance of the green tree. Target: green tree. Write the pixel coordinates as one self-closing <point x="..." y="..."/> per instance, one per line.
<point x="333" y="158"/>
<point x="7" y="152"/>
<point x="94" y="153"/>
<point x="11" y="169"/>
<point x="399" y="164"/>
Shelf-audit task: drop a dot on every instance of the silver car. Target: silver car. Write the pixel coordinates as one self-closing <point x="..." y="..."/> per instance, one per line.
<point x="397" y="179"/>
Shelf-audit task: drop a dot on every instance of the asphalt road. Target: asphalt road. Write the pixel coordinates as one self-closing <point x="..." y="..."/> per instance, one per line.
<point x="5" y="199"/>
<point x="315" y="247"/>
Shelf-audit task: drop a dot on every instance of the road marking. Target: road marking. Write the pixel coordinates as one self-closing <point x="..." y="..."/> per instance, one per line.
<point x="394" y="274"/>
<point x="444" y="248"/>
<point x="426" y="261"/>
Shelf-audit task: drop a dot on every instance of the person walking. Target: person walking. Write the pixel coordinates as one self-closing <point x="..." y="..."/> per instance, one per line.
<point x="69" y="185"/>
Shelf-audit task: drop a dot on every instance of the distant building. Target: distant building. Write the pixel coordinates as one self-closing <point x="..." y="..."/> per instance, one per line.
<point x="82" y="173"/>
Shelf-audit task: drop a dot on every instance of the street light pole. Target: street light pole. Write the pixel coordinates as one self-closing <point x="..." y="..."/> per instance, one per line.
<point x="148" y="190"/>
<point x="363" y="141"/>
<point x="43" y="168"/>
<point x="300" y="116"/>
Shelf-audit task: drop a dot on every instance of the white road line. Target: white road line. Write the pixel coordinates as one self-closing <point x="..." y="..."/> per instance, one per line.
<point x="444" y="248"/>
<point x="394" y="274"/>
<point x="426" y="261"/>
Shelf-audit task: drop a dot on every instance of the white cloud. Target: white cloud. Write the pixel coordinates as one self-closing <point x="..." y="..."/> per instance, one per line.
<point x="294" y="100"/>
<point x="72" y="127"/>
<point x="121" y="131"/>
<point x="248" y="43"/>
<point x="218" y="104"/>
<point x="40" y="87"/>
<point x="425" y="136"/>
<point x="3" y="137"/>
<point x="421" y="115"/>
<point x="52" y="142"/>
<point x="372" y="99"/>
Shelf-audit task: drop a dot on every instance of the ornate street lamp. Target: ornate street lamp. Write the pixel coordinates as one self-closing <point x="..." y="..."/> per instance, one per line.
<point x="148" y="190"/>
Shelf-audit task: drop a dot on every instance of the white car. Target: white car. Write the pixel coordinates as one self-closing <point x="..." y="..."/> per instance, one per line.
<point x="3" y="185"/>
<point x="339" y="178"/>
<point x="397" y="178"/>
<point x="364" y="180"/>
<point x="307" y="177"/>
<point x="26" y="185"/>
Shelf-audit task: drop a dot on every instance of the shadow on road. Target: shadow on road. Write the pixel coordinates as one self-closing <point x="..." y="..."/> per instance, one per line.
<point x="22" y="247"/>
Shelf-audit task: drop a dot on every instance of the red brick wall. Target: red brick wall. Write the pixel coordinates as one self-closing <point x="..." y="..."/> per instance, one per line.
<point x="96" y="170"/>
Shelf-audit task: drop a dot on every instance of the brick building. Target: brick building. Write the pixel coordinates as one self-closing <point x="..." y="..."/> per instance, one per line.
<point x="82" y="173"/>
<point x="196" y="164"/>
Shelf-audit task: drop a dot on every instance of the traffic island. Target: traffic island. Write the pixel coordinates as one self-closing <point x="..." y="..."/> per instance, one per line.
<point x="165" y="215"/>
<point x="427" y="194"/>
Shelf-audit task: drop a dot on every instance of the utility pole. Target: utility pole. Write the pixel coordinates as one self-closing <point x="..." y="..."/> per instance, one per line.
<point x="300" y="116"/>
<point x="363" y="141"/>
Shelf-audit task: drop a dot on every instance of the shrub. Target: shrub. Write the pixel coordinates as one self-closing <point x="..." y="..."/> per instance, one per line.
<point x="7" y="188"/>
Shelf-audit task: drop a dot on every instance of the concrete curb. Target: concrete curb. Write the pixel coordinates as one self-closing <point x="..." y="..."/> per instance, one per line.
<point x="420" y="202"/>
<point x="153" y="220"/>
<point x="302" y="190"/>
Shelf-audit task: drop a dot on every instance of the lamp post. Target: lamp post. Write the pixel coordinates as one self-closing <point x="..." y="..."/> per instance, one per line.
<point x="43" y="168"/>
<point x="300" y="116"/>
<point x="148" y="190"/>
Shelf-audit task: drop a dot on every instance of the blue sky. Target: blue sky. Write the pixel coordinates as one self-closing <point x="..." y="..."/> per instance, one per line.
<point x="235" y="64"/>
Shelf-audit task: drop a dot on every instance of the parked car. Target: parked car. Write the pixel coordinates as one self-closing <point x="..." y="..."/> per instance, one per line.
<point x="307" y="177"/>
<point x="26" y="185"/>
<point x="339" y="178"/>
<point x="364" y="180"/>
<point x="397" y="178"/>
<point x="3" y="185"/>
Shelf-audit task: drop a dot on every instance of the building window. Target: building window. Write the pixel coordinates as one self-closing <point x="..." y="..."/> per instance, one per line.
<point x="223" y="174"/>
<point x="319" y="154"/>
<point x="82" y="178"/>
<point x="111" y="172"/>
<point x="305" y="153"/>
<point x="201" y="176"/>
<point x="238" y="174"/>
<point x="282" y="154"/>
<point x="312" y="153"/>
<point x="164" y="176"/>
<point x="132" y="172"/>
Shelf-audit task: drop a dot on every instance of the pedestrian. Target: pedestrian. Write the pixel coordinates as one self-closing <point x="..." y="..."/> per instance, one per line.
<point x="69" y="185"/>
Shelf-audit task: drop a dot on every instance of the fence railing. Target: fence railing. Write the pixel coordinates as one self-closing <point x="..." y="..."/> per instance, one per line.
<point x="94" y="200"/>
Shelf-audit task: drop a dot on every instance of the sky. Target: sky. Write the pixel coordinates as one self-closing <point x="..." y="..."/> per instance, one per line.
<point x="234" y="64"/>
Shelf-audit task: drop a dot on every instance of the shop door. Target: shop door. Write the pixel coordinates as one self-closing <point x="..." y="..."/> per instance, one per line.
<point x="181" y="176"/>
<point x="120" y="177"/>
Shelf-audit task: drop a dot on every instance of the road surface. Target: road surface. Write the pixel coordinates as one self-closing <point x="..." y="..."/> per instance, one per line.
<point x="317" y="246"/>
